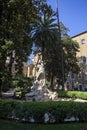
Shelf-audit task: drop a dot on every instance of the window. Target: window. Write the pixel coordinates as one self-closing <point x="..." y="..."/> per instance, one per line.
<point x="83" y="59"/>
<point x="83" y="41"/>
<point x="79" y="76"/>
<point x="72" y="76"/>
<point x="67" y="83"/>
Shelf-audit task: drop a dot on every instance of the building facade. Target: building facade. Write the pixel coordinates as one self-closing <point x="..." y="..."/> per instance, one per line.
<point x="31" y="69"/>
<point x="79" y="81"/>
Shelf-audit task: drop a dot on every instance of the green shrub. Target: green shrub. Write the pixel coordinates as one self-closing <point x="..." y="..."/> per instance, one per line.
<point x="73" y="94"/>
<point x="6" y="108"/>
<point x="58" y="111"/>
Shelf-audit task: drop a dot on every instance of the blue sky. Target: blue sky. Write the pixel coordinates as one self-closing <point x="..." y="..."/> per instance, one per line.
<point x="73" y="14"/>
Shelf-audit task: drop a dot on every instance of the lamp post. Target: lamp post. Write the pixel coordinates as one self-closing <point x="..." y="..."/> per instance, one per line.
<point x="60" y="45"/>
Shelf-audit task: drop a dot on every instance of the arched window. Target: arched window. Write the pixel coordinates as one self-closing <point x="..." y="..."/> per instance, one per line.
<point x="83" y="59"/>
<point x="72" y="76"/>
<point x="83" y="41"/>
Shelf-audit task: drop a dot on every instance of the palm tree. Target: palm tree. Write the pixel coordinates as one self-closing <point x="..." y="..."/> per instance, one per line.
<point x="44" y="34"/>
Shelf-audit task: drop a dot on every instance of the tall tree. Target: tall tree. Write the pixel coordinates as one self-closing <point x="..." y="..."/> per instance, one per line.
<point x="70" y="60"/>
<point x="45" y="36"/>
<point x="15" y="26"/>
<point x="45" y="31"/>
<point x="17" y="18"/>
<point x="52" y="56"/>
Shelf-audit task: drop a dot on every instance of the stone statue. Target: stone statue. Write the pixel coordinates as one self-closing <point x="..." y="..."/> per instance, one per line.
<point x="39" y="90"/>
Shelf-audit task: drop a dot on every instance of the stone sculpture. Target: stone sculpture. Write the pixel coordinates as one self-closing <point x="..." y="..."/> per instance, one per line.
<point x="39" y="90"/>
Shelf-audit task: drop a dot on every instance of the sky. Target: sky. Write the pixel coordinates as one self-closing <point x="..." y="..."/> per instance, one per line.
<point x="72" y="13"/>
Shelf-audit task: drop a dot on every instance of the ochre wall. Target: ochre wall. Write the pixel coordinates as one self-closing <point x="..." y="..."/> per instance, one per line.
<point x="83" y="47"/>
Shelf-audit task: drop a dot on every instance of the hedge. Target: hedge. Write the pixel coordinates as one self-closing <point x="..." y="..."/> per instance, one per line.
<point x="58" y="111"/>
<point x="73" y="94"/>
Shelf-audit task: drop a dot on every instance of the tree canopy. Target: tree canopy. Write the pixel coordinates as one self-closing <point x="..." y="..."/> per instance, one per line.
<point x="17" y="19"/>
<point x="24" y="22"/>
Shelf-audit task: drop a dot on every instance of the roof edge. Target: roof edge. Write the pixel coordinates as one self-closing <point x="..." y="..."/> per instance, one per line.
<point x="79" y="34"/>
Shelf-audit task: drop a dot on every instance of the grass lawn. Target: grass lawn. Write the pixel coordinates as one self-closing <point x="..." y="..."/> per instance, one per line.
<point x="8" y="125"/>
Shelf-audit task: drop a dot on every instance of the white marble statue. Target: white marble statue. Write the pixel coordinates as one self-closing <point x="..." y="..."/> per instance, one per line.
<point x="39" y="90"/>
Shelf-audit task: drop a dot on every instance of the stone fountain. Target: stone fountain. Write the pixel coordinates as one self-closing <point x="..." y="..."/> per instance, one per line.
<point x="39" y="90"/>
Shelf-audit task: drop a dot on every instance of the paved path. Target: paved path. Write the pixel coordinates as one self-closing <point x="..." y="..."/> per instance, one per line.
<point x="71" y="99"/>
<point x="11" y="94"/>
